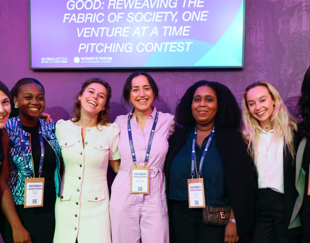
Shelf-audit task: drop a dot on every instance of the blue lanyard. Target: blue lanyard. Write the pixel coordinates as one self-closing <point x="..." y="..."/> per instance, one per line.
<point x="22" y="143"/>
<point x="203" y="154"/>
<point x="133" y="154"/>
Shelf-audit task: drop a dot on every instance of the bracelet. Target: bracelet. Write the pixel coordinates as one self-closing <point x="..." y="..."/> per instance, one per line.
<point x="233" y="221"/>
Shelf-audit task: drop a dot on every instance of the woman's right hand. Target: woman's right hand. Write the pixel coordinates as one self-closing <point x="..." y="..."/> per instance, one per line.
<point x="21" y="235"/>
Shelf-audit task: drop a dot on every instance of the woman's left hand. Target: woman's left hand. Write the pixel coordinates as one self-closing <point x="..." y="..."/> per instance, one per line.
<point x="47" y="117"/>
<point x="231" y="233"/>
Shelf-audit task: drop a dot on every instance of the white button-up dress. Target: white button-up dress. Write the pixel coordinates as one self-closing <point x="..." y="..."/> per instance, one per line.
<point x="82" y="211"/>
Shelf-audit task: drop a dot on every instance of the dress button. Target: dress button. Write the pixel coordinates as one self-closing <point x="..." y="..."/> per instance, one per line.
<point x="76" y="215"/>
<point x="79" y="178"/>
<point x="81" y="153"/>
<point x="79" y="141"/>
<point x="78" y="190"/>
<point x="61" y="197"/>
<point x="66" y="144"/>
<point x="77" y="203"/>
<point x="75" y="228"/>
<point x="80" y="165"/>
<point x="96" y="198"/>
<point x="86" y="143"/>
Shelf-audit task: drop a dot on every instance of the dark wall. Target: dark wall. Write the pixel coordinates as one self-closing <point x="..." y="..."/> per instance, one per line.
<point x="276" y="50"/>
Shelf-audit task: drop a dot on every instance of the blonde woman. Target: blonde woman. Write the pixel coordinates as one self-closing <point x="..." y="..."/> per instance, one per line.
<point x="268" y="128"/>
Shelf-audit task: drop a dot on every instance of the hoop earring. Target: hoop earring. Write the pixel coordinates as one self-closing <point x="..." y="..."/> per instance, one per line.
<point x="16" y="106"/>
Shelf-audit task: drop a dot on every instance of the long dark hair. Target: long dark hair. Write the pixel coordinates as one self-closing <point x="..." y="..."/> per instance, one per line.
<point x="14" y="93"/>
<point x="228" y="113"/>
<point x="103" y="118"/>
<point x="303" y="106"/>
<point x="4" y="89"/>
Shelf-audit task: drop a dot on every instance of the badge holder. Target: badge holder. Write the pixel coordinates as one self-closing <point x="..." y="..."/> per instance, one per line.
<point x="140" y="179"/>
<point x="196" y="193"/>
<point x="195" y="187"/>
<point x="34" y="191"/>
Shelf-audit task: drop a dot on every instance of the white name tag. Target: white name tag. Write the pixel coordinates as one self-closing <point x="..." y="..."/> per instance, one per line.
<point x="196" y="193"/>
<point x="34" y="191"/>
<point x="140" y="179"/>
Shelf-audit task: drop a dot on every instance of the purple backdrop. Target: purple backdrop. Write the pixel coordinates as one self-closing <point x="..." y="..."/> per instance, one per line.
<point x="277" y="49"/>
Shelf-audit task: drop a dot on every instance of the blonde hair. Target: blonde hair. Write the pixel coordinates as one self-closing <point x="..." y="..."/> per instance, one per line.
<point x="282" y="121"/>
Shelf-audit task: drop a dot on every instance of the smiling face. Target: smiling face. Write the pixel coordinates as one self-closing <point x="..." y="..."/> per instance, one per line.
<point x="141" y="94"/>
<point x="260" y="104"/>
<point x="93" y="99"/>
<point x="31" y="101"/>
<point x="5" y="109"/>
<point x="204" y="106"/>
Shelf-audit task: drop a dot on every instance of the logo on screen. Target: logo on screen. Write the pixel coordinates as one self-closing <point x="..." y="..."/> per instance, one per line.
<point x="76" y="60"/>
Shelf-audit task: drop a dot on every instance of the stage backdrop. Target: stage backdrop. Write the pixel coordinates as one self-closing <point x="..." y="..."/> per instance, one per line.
<point x="277" y="48"/>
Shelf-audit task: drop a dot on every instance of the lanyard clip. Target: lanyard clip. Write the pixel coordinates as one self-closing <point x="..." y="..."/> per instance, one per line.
<point x="40" y="175"/>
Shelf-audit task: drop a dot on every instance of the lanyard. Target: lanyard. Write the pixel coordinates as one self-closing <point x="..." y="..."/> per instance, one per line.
<point x="133" y="154"/>
<point x="203" y="154"/>
<point x="22" y="143"/>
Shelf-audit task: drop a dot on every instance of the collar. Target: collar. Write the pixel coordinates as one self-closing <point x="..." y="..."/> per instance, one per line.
<point x="152" y="115"/>
<point x="263" y="131"/>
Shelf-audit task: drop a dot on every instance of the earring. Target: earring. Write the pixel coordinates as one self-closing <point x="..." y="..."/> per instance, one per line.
<point x="16" y="106"/>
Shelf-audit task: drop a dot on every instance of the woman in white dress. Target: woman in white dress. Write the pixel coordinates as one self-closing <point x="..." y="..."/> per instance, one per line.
<point x="88" y="142"/>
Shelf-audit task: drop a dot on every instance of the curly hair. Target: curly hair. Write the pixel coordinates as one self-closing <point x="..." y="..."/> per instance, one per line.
<point x="14" y="93"/>
<point x="304" y="106"/>
<point x="228" y="113"/>
<point x="103" y="118"/>
<point x="283" y="122"/>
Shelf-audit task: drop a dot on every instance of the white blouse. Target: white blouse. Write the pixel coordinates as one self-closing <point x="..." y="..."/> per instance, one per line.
<point x="269" y="161"/>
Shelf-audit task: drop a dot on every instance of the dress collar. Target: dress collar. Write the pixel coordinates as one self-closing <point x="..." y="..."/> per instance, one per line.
<point x="152" y="115"/>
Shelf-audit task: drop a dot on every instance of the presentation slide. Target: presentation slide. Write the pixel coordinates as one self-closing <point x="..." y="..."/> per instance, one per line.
<point x="137" y="33"/>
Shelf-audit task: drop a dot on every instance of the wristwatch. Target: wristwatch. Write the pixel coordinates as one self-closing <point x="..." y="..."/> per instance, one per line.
<point x="233" y="221"/>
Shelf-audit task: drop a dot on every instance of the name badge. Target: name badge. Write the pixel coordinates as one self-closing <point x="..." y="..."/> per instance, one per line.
<point x="140" y="179"/>
<point x="196" y="193"/>
<point x="34" y="191"/>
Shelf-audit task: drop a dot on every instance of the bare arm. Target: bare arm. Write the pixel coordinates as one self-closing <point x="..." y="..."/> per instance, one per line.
<point x="115" y="165"/>
<point x="231" y="230"/>
<point x="20" y="234"/>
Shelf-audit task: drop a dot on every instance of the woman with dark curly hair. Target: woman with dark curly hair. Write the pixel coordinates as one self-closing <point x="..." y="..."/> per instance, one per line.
<point x="304" y="132"/>
<point x="209" y="147"/>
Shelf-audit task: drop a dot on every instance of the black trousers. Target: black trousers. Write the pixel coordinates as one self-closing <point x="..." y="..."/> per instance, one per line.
<point x="305" y="214"/>
<point x="188" y="227"/>
<point x="271" y="221"/>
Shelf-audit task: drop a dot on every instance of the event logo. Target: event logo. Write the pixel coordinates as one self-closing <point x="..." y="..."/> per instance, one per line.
<point x="76" y="60"/>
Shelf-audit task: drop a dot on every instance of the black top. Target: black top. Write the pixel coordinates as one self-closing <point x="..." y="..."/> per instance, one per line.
<point x="49" y="165"/>
<point x="306" y="157"/>
<point x="239" y="171"/>
<point x="215" y="187"/>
